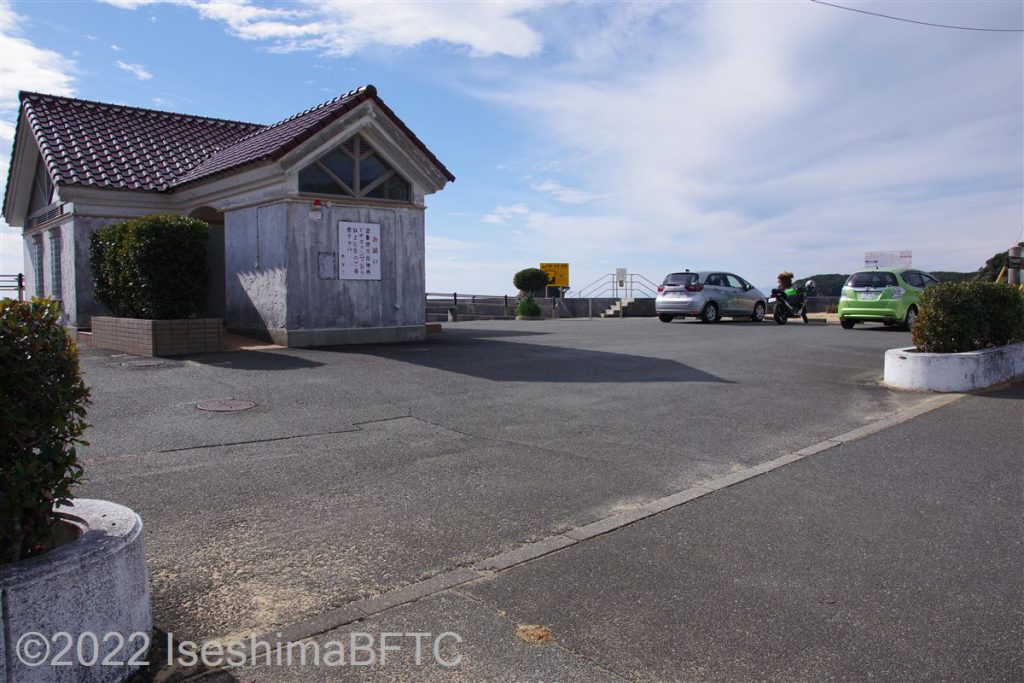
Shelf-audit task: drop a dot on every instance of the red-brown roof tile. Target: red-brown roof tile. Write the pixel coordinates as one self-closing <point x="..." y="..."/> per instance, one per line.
<point x="113" y="146"/>
<point x="107" y="145"/>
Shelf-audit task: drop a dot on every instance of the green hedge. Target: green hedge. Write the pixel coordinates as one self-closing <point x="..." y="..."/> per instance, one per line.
<point x="43" y="417"/>
<point x="966" y="316"/>
<point x="152" y="267"/>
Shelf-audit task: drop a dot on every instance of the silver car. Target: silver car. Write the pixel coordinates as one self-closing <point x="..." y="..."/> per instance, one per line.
<point x="710" y="295"/>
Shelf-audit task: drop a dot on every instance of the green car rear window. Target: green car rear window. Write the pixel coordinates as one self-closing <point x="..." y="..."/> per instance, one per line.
<point x="872" y="278"/>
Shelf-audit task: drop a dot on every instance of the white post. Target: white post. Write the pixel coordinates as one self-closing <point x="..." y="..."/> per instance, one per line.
<point x="1013" y="266"/>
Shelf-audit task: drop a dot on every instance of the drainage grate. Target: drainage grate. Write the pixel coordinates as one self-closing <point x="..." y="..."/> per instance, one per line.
<point x="152" y="363"/>
<point x="228" y="406"/>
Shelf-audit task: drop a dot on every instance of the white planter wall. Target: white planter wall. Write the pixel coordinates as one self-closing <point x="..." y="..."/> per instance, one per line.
<point x="954" y="372"/>
<point x="96" y="584"/>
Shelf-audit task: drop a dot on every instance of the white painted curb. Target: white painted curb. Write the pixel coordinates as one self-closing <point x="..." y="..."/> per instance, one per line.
<point x="97" y="584"/>
<point x="909" y="369"/>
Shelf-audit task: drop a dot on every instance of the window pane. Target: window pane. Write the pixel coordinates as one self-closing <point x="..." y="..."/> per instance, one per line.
<point x="55" y="269"/>
<point x="370" y="169"/>
<point x="873" y="278"/>
<point x="680" y="279"/>
<point x="312" y="179"/>
<point x="340" y="165"/>
<point x="392" y="188"/>
<point x="734" y="282"/>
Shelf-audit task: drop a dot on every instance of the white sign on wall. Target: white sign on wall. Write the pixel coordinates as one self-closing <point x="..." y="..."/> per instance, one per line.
<point x="358" y="251"/>
<point x="887" y="259"/>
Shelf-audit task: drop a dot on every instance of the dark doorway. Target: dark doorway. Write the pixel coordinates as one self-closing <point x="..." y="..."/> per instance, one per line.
<point x="215" y="299"/>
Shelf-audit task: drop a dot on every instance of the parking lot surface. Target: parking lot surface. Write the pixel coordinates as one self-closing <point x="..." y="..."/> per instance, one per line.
<point x="363" y="469"/>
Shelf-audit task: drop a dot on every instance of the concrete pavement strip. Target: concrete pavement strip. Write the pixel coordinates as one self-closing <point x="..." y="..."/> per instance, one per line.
<point x="360" y="609"/>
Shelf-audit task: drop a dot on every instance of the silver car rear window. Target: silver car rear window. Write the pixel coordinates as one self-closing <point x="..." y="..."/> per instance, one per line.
<point x="872" y="278"/>
<point x="681" y="279"/>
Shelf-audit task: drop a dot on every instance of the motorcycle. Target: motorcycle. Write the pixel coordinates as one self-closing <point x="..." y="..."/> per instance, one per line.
<point x="792" y="302"/>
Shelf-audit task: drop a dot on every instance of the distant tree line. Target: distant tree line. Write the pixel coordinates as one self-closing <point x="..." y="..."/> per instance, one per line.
<point x="831" y="284"/>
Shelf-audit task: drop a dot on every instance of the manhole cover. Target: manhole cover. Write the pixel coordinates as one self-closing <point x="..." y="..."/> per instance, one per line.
<point x="229" y="406"/>
<point x="152" y="363"/>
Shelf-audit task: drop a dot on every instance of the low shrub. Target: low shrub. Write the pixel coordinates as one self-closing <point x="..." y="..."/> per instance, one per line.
<point x="528" y="307"/>
<point x="43" y="417"/>
<point x="967" y="316"/>
<point x="152" y="267"/>
<point x="530" y="280"/>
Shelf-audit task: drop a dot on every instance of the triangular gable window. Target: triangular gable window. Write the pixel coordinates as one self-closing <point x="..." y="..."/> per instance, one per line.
<point x="42" y="189"/>
<point x="353" y="169"/>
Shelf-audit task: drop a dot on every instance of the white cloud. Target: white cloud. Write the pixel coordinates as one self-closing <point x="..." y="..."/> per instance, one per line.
<point x="344" y="28"/>
<point x="757" y="137"/>
<point x="566" y="195"/>
<point x="503" y="214"/>
<point x="117" y="48"/>
<point x="24" y="66"/>
<point x="27" y="67"/>
<point x="136" y="70"/>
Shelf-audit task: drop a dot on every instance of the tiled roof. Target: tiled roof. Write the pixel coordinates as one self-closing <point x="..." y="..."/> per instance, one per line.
<point x="112" y="146"/>
<point x="107" y="145"/>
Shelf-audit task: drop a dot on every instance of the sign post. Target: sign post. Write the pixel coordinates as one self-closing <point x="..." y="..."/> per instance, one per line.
<point x="1013" y="262"/>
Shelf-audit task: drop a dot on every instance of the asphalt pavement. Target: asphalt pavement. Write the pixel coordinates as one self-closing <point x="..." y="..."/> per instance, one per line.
<point x="364" y="470"/>
<point x="896" y="557"/>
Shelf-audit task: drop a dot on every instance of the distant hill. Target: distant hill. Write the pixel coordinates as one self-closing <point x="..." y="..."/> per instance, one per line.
<point x="831" y="284"/>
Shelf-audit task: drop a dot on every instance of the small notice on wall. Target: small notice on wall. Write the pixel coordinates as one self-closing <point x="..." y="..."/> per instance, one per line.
<point x="358" y="251"/>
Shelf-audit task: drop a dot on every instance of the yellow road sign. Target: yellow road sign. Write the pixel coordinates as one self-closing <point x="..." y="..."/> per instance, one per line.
<point x="558" y="274"/>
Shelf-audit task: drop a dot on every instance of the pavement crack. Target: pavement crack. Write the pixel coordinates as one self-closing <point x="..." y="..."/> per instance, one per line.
<point x="353" y="428"/>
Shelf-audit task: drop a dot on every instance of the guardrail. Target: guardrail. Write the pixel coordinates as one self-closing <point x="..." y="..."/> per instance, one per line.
<point x="449" y="303"/>
<point x="15" y="283"/>
<point x="633" y="285"/>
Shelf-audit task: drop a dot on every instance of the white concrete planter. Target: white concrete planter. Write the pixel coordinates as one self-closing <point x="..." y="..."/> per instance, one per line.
<point x="909" y="369"/>
<point x="97" y="584"/>
<point x="529" y="317"/>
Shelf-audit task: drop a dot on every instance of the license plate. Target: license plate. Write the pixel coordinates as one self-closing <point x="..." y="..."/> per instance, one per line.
<point x="671" y="295"/>
<point x="869" y="296"/>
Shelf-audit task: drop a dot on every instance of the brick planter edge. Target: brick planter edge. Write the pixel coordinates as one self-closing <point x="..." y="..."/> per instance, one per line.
<point x="144" y="337"/>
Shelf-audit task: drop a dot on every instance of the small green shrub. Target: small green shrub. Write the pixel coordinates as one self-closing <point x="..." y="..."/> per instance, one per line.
<point x="528" y="306"/>
<point x="43" y="417"/>
<point x="1004" y="308"/>
<point x="152" y="267"/>
<point x="966" y="316"/>
<point x="530" y="279"/>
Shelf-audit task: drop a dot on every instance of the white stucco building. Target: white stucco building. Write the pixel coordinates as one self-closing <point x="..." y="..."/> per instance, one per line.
<point x="317" y="221"/>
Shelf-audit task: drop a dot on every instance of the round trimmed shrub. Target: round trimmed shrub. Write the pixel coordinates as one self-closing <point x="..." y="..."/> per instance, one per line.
<point x="43" y="417"/>
<point x="152" y="267"/>
<point x="530" y="279"/>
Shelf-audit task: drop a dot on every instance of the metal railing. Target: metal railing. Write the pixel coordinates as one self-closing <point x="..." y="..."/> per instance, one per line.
<point x="13" y="283"/>
<point x="633" y="285"/>
<point x="450" y="302"/>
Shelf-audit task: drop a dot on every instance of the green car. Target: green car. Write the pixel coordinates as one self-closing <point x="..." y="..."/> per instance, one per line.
<point x="887" y="295"/>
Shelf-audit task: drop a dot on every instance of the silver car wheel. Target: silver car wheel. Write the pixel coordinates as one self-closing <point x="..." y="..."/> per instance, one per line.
<point x="710" y="313"/>
<point x="759" y="310"/>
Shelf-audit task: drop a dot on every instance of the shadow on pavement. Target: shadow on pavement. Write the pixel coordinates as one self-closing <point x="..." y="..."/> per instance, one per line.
<point x="502" y="361"/>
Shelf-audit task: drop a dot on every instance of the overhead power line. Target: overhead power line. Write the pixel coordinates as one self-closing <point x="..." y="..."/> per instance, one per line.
<point x="922" y="23"/>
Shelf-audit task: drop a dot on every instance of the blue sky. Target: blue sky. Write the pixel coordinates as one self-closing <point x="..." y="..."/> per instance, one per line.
<point x="754" y="137"/>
